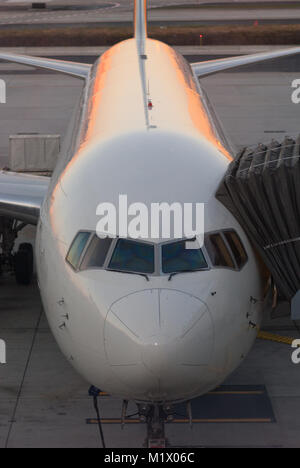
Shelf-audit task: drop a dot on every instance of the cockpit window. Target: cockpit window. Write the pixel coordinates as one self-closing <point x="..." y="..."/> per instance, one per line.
<point x="237" y="248"/>
<point x="218" y="251"/>
<point x="133" y="257"/>
<point x="96" y="253"/>
<point x="77" y="248"/>
<point x="177" y="258"/>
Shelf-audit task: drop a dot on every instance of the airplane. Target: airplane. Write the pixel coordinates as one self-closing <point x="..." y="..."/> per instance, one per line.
<point x="140" y="319"/>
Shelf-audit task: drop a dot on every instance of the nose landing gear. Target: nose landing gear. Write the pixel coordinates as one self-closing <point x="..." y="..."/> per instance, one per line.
<point x="155" y="416"/>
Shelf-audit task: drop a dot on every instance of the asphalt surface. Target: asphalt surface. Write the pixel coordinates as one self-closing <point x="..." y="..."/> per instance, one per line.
<point x="160" y="11"/>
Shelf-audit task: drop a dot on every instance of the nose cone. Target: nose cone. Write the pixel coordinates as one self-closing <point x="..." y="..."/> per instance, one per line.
<point x="159" y="342"/>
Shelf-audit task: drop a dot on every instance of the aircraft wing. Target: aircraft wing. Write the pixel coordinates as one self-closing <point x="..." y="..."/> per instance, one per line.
<point x="22" y="195"/>
<point x="78" y="70"/>
<point x="209" y="67"/>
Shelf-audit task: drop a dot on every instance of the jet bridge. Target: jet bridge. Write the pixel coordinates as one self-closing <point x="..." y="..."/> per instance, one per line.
<point x="262" y="190"/>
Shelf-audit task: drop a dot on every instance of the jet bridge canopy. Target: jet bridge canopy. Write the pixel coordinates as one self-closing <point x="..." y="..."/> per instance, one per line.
<point x="262" y="190"/>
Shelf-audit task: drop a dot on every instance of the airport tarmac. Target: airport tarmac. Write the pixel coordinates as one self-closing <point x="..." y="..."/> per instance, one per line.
<point x="43" y="402"/>
<point x="74" y="12"/>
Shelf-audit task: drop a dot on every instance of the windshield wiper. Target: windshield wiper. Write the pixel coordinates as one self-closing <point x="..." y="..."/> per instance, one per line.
<point x="130" y="273"/>
<point x="181" y="271"/>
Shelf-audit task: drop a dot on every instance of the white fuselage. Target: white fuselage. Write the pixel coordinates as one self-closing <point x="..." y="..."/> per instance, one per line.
<point x="159" y="340"/>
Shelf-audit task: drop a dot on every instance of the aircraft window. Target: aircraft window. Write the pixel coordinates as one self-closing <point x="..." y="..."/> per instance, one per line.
<point x="96" y="253"/>
<point x="177" y="258"/>
<point x="218" y="252"/>
<point x="237" y="248"/>
<point x="133" y="257"/>
<point x="77" y="248"/>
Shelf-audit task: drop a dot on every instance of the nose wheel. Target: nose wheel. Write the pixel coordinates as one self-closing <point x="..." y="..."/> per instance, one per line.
<point x="155" y="417"/>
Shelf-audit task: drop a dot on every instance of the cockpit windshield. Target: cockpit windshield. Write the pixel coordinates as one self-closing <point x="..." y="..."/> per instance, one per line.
<point x="77" y="248"/>
<point x="96" y="253"/>
<point x="176" y="258"/>
<point x="133" y="257"/>
<point x="223" y="249"/>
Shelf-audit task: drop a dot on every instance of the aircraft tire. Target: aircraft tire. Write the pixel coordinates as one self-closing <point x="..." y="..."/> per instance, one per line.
<point x="24" y="264"/>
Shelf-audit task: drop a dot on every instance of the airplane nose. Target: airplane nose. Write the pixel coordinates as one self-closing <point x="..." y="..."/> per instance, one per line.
<point x="155" y="338"/>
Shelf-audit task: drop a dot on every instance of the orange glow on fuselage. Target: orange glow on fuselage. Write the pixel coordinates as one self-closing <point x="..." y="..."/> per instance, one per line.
<point x="116" y="100"/>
